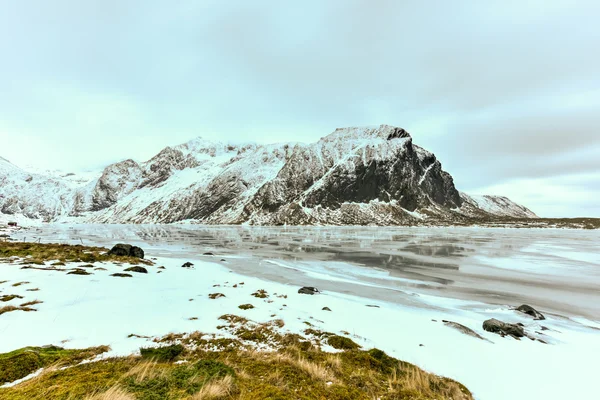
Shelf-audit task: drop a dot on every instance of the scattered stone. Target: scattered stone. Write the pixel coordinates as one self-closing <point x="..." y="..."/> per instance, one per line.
<point x="187" y="265"/>
<point x="122" y="249"/>
<point x="531" y="311"/>
<point x="246" y="306"/>
<point x="235" y="286"/>
<point x="214" y="296"/>
<point x="159" y="272"/>
<point x="372" y="305"/>
<point x="434" y="320"/>
<point x="503" y="328"/>
<point x="86" y="266"/>
<point x="208" y="253"/>
<point x="140" y="270"/>
<point x="421" y="345"/>
<point x="308" y="290"/>
<point x="100" y="269"/>
<point x="79" y="271"/>
<point x="463" y="329"/>
<point x="544" y="328"/>
<point x="222" y="259"/>
<point x="326" y="309"/>
<point x="193" y="319"/>
<point x="161" y="267"/>
<point x="120" y="275"/>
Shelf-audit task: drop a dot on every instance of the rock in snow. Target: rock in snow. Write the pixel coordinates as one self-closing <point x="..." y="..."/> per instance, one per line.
<point x="308" y="290"/>
<point x="503" y="328"/>
<point x="126" y="250"/>
<point x="531" y="311"/>
<point x="353" y="176"/>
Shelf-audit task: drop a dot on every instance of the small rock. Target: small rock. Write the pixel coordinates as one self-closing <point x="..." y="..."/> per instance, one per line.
<point x="208" y="253"/>
<point x="86" y="266"/>
<point x="161" y="267"/>
<point x="308" y="290"/>
<point x="214" y="296"/>
<point x="120" y="275"/>
<point x="372" y="305"/>
<point x="222" y="259"/>
<point x="463" y="329"/>
<point x="326" y="309"/>
<point x="140" y="270"/>
<point x="503" y="328"/>
<point x="187" y="265"/>
<point x="531" y="311"/>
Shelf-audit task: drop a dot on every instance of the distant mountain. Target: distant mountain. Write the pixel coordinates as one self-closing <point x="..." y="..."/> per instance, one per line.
<point x="354" y="176"/>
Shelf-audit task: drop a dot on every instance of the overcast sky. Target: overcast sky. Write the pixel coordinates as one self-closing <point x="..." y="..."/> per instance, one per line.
<point x="505" y="93"/>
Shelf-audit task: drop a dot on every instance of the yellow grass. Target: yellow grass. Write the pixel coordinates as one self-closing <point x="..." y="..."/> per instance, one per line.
<point x="215" y="389"/>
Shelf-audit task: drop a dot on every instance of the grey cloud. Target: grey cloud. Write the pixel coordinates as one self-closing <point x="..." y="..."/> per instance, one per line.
<point x="489" y="86"/>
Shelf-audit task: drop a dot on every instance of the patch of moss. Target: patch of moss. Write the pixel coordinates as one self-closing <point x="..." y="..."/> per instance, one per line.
<point x="20" y="363"/>
<point x="79" y="271"/>
<point x="260" y="294"/>
<point x="342" y="343"/>
<point x="37" y="253"/>
<point x="164" y="353"/>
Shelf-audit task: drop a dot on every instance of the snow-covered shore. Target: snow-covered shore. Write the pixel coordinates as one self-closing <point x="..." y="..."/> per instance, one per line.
<point x="82" y="311"/>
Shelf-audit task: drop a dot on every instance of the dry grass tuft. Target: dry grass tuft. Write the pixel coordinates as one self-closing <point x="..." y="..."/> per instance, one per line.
<point x="7" y="309"/>
<point x="114" y="393"/>
<point x="145" y="370"/>
<point x="215" y="389"/>
<point x="416" y="380"/>
<point x="31" y="303"/>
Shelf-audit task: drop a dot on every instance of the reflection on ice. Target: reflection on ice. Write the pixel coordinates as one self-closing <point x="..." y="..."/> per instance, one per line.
<point x="558" y="270"/>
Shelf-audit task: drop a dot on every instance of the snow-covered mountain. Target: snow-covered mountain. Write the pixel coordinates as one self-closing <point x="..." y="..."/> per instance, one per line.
<point x="352" y="176"/>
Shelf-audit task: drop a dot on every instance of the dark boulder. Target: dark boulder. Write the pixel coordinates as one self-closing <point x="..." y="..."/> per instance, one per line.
<point x="308" y="290"/>
<point x="208" y="253"/>
<point x="140" y="270"/>
<point x="127" y="250"/>
<point x="187" y="265"/>
<point x="326" y="309"/>
<point x="531" y="311"/>
<point x="503" y="328"/>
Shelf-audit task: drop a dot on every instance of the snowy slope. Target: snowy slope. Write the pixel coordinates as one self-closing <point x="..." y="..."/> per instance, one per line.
<point x="496" y="206"/>
<point x="352" y="176"/>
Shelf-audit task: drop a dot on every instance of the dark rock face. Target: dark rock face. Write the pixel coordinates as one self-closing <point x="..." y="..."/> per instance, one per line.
<point x="122" y="249"/>
<point x="308" y="290"/>
<point x="502" y="328"/>
<point x="463" y="329"/>
<point x="531" y="311"/>
<point x="140" y="270"/>
<point x="117" y="181"/>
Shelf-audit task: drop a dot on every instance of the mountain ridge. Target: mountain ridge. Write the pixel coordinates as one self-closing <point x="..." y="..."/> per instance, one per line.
<point x="353" y="176"/>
